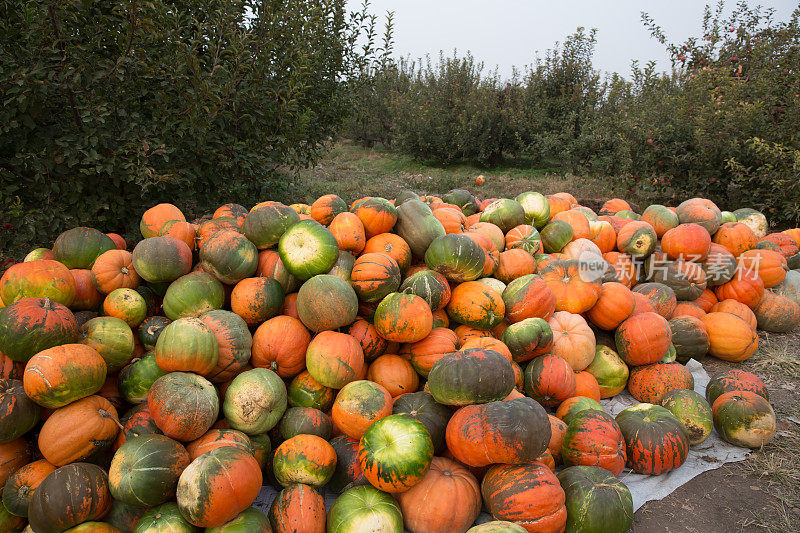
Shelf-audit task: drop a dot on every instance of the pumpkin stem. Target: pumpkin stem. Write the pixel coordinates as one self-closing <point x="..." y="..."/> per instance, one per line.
<point x="106" y="414"/>
<point x="125" y="270"/>
<point x="48" y="304"/>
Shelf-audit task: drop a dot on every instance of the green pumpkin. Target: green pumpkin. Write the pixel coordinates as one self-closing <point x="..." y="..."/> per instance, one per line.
<point x="161" y="259"/>
<point x="326" y="302"/>
<point x="149" y="330"/>
<point x="187" y="345"/>
<point x="504" y="213"/>
<point x="693" y="411"/>
<point x="664" y="216"/>
<point x="417" y="226"/>
<point x="145" y="470"/>
<point x="536" y="207"/>
<point x="596" y="501"/>
<point x="463" y="199"/>
<point x="422" y="407"/>
<point x="430" y="286"/>
<point x="365" y="508"/>
<point x="689" y="338"/>
<point x="305" y="391"/>
<point x="229" y="257"/>
<point x="755" y="220"/>
<point x="193" y="295"/>
<point x="609" y="370"/>
<point x="628" y="214"/>
<point x="460" y="378"/>
<point x="308" y="249"/>
<point x="685" y="278"/>
<point x="251" y="520"/>
<point x="112" y="338"/>
<point x="457" y="257"/>
<point x="255" y="401"/>
<point x="165" y="517"/>
<point x="728" y="216"/>
<point x="71" y="495"/>
<point x="528" y="338"/>
<point x="265" y="225"/>
<point x="555" y="235"/>
<point x="134" y="381"/>
<point x="123" y="516"/>
<point x="80" y="247"/>
<point x="405" y="195"/>
<point x="744" y="418"/>
<point x="305" y="421"/>
<point x="20" y="413"/>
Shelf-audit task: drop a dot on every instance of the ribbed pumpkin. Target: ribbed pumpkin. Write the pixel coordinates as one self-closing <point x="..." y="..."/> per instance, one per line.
<point x="656" y="441"/>
<point x="31" y="325"/>
<point x="365" y="508"/>
<point x="769" y="265"/>
<point x="217" y="486"/>
<point x="555" y="235"/>
<point x="114" y="270"/>
<point x="475" y="304"/>
<point x="643" y="339"/>
<point x="593" y="438"/>
<point x="613" y="306"/>
<point x="429" y="285"/>
<point x="217" y="438"/>
<point x="372" y="344"/>
<point x="459" y="378"/>
<point x="735" y="237"/>
<point x="87" y="297"/>
<point x="403" y="318"/>
<point x="524" y="237"/>
<point x="777" y="314"/>
<point x="513" y="264"/>
<point x="746" y="287"/>
<point x="155" y="217"/>
<point x="326" y="207"/>
<point x="649" y="383"/>
<point x="257" y="299"/>
<point x="528" y="297"/>
<point x="514" y="431"/>
<point x="80" y="247"/>
<point x="660" y="296"/>
<point x="297" y="508"/>
<point x="660" y="217"/>
<point x="69" y="496"/>
<point x="193" y="295"/>
<point x="596" y="501"/>
<point x="736" y="308"/>
<point x="21" y="484"/>
<point x="529" y="338"/>
<point x="735" y="380"/>
<point x="43" y="278"/>
<point x="74" y="432"/>
<point x="744" y="418"/>
<point x="526" y="494"/>
<point x="270" y="265"/>
<point x="574" y="291"/>
<point x="187" y="345"/>
<point x="280" y="344"/>
<point x="374" y="276"/>
<point x="134" y="381"/>
<point x="13" y="456"/>
<point x="348" y="471"/>
<point x="393" y="246"/>
<point x="234" y="344"/>
<point x="308" y="249"/>
<point x="573" y="339"/>
<point x="183" y="405"/>
<point x="326" y="302"/>
<point x="358" y="405"/>
<point x="689" y="242"/>
<point x="62" y="374"/>
<point x="306" y="459"/>
<point x="549" y="380"/>
<point x="457" y="257"/>
<point x="457" y="503"/>
<point x="730" y="337"/>
<point x="145" y="470"/>
<point x="334" y="359"/>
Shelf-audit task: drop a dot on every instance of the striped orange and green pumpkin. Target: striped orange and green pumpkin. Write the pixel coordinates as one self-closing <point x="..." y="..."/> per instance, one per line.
<point x="457" y="257"/>
<point x="528" y="297"/>
<point x="271" y="266"/>
<point x="528" y="339"/>
<point x="162" y="259"/>
<point x="378" y="215"/>
<point x="656" y="441"/>
<point x="326" y="207"/>
<point x="423" y="408"/>
<point x="395" y="453"/>
<point x="661" y="296"/>
<point x="126" y="304"/>
<point x="744" y="418"/>
<point x="348" y="472"/>
<point x="257" y="299"/>
<point x="661" y="218"/>
<point x="305" y="391"/>
<point x="570" y="407"/>
<point x="183" y="405"/>
<point x="308" y="249"/>
<point x="31" y="325"/>
<point x="358" y="405"/>
<point x="593" y="438"/>
<point x="298" y="507"/>
<point x="187" y="345"/>
<point x="525" y="237"/>
<point x="145" y="470"/>
<point x="262" y="448"/>
<point x="429" y="285"/>
<point x="306" y="459"/>
<point x="513" y="431"/>
<point x="374" y="276"/>
<point x="526" y="494"/>
<point x="265" y="225"/>
<point x="649" y="383"/>
<point x="255" y="401"/>
<point x="165" y="517"/>
<point x="555" y="235"/>
<point x="549" y="380"/>
<point x="365" y="508"/>
<point x="79" y="247"/>
<point x="43" y="278"/>
<point x="404" y="317"/>
<point x="459" y="378"/>
<point x="609" y="370"/>
<point x="475" y="304"/>
<point x="234" y="343"/>
<point x="637" y="239"/>
<point x="643" y="339"/>
<point x="776" y="313"/>
<point x="372" y="344"/>
<point x="250" y="520"/>
<point x="735" y="380"/>
<point x="417" y="226"/>
<point x="231" y="210"/>
<point x="700" y="211"/>
<point x="76" y="431"/>
<point x="504" y="213"/>
<point x="218" y="438"/>
<point x="596" y="500"/>
<point x="135" y="423"/>
<point x="112" y="338"/>
<point x="135" y="379"/>
<point x="217" y="486"/>
<point x="18" y="413"/>
<point x="21" y="484"/>
<point x="693" y="411"/>
<point x="334" y="359"/>
<point x="343" y="268"/>
<point x="60" y="375"/>
<point x="193" y="295"/>
<point x="305" y="421"/>
<point x="326" y="302"/>
<point x="229" y="256"/>
<point x="69" y="496"/>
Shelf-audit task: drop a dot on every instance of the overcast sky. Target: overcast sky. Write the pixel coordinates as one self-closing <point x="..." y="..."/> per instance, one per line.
<point x="506" y="33"/>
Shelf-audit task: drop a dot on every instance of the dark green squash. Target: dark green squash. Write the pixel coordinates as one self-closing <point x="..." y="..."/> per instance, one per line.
<point x="471" y="376"/>
<point x="69" y="496"/>
<point x="690" y="338"/>
<point x="265" y="225"/>
<point x="150" y="329"/>
<point x="429" y="285"/>
<point x="596" y="501"/>
<point x="193" y="295"/>
<point x="422" y="407"/>
<point x="656" y="441"/>
<point x="79" y="247"/>
<point x="134" y="381"/>
<point x="307" y="421"/>
<point x="18" y="413"/>
<point x="417" y="226"/>
<point x="457" y="257"/>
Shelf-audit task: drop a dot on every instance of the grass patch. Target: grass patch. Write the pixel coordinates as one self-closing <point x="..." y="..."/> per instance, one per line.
<point x="778" y="356"/>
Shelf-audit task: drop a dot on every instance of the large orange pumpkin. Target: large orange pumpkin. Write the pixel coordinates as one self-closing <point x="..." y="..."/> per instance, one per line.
<point x="689" y="242"/>
<point x="392" y="245"/>
<point x="746" y="287"/>
<point x="769" y="265"/>
<point x="575" y="292"/>
<point x="74" y="432"/>
<point x="114" y="270"/>
<point x="730" y="338"/>
<point x="334" y="359"/>
<point x="613" y="306"/>
<point x="349" y="232"/>
<point x="735" y="237"/>
<point x="326" y="207"/>
<point x="549" y="380"/>
<point x="624" y="267"/>
<point x="737" y="308"/>
<point x="513" y="264"/>
<point x="424" y="354"/>
<point x="643" y="339"/>
<point x="650" y="383"/>
<point x="280" y="344"/>
<point x="394" y="373"/>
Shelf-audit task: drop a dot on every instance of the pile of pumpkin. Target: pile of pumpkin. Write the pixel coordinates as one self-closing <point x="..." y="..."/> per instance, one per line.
<point x="423" y="358"/>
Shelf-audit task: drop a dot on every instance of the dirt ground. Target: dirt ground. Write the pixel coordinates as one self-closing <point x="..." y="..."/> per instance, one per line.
<point x="761" y="493"/>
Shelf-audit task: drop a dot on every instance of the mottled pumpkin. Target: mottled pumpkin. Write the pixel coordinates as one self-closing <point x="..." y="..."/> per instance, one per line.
<point x="656" y="441"/>
<point x="593" y="438"/>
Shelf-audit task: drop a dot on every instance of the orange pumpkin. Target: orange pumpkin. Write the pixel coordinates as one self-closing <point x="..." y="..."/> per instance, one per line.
<point x="256" y="299"/>
<point x="393" y="373"/>
<point x="730" y="338"/>
<point x="326" y="207"/>
<point x="735" y="237"/>
<point x="528" y="297"/>
<point x="403" y="318"/>
<point x="488" y="343"/>
<point x="769" y="265"/>
<point x="475" y="304"/>
<point x="624" y="267"/>
<point x="557" y="429"/>
<point x="217" y="438"/>
<point x="577" y="221"/>
<point x="523" y="236"/>
<point x="358" y="405"/>
<point x="374" y="276"/>
<point x="183" y="231"/>
<point x="781" y="243"/>
<point x="643" y="339"/>
<point x="613" y="306"/>
<point x="377" y="216"/>
<point x="119" y="241"/>
<point x="603" y="235"/>
<point x="737" y="308"/>
<point x="493" y="232"/>
<point x="549" y="380"/>
<point x="114" y="270"/>
<point x="465" y="333"/>
<point x="423" y="354"/>
<point x="372" y="344"/>
<point x="513" y="264"/>
<point x="614" y="205"/>
<point x="280" y="344"/>
<point x="334" y="359"/>
<point x="650" y="383"/>
<point x="573" y="339"/>
<point x="688" y="309"/>
<point x="746" y="287"/>
<point x="574" y="292"/>
<point x="74" y="432"/>
<point x="86" y="294"/>
<point x="706" y="300"/>
<point x="392" y="245"/>
<point x="154" y="219"/>
<point x="557" y="205"/>
<point x="586" y="385"/>
<point x="452" y="220"/>
<point x="689" y="242"/>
